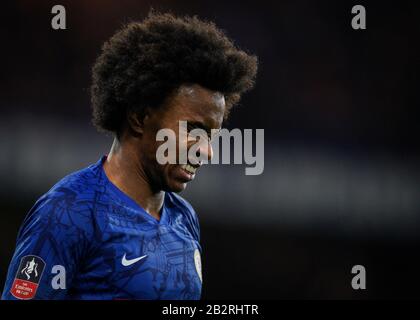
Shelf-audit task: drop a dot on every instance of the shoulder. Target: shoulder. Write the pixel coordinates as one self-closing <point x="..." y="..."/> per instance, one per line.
<point x="191" y="218"/>
<point x="79" y="185"/>
<point x="68" y="204"/>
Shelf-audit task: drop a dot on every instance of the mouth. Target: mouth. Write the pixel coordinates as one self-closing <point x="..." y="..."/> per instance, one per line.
<point x="189" y="169"/>
<point x="187" y="172"/>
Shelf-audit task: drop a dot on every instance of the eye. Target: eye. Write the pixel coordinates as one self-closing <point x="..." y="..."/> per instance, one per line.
<point x="190" y="127"/>
<point x="204" y="134"/>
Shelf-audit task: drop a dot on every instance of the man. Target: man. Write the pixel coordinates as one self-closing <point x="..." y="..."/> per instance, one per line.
<point x="117" y="229"/>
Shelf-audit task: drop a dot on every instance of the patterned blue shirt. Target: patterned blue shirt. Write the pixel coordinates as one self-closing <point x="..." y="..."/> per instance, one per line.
<point x="86" y="239"/>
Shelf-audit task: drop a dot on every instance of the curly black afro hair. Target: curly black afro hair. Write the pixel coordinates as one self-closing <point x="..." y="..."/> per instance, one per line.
<point x="143" y="63"/>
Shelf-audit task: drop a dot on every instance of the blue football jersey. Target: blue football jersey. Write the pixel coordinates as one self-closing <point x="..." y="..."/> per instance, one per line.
<point x="86" y="239"/>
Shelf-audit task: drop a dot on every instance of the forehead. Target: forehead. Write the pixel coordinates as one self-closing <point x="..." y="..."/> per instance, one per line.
<point x="198" y="103"/>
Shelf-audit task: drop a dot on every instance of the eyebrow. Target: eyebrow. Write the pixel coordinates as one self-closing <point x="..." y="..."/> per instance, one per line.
<point x="195" y="124"/>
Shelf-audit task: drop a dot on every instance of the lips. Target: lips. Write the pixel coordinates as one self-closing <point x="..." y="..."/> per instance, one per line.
<point x="186" y="172"/>
<point x="189" y="168"/>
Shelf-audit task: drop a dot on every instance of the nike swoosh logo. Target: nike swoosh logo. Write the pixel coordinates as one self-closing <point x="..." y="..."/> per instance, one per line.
<point x="127" y="263"/>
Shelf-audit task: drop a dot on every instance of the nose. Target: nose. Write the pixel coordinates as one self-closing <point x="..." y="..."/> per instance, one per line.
<point x="205" y="151"/>
<point x="208" y="150"/>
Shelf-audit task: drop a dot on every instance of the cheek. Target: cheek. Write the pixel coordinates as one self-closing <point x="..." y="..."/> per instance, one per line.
<point x="168" y="170"/>
<point x="168" y="173"/>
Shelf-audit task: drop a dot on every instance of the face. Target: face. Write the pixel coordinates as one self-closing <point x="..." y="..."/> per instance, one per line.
<point x="200" y="108"/>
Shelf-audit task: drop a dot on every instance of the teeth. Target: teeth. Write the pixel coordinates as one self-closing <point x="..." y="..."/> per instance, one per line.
<point x="190" y="169"/>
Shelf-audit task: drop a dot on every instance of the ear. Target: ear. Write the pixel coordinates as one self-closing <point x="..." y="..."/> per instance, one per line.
<point x="136" y="122"/>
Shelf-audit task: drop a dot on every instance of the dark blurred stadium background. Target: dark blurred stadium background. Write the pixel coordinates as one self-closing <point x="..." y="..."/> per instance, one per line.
<point x="340" y="113"/>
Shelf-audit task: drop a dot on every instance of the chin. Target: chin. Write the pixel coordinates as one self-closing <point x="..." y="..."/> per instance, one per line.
<point x="177" y="187"/>
<point x="174" y="185"/>
<point x="174" y="181"/>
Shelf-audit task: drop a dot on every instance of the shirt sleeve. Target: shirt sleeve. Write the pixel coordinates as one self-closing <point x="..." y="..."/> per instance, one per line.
<point x="49" y="251"/>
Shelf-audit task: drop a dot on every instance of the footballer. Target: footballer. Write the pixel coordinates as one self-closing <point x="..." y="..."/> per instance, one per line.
<point x="118" y="229"/>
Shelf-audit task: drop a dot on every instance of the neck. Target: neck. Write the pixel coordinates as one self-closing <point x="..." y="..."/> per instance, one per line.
<point x="124" y="169"/>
